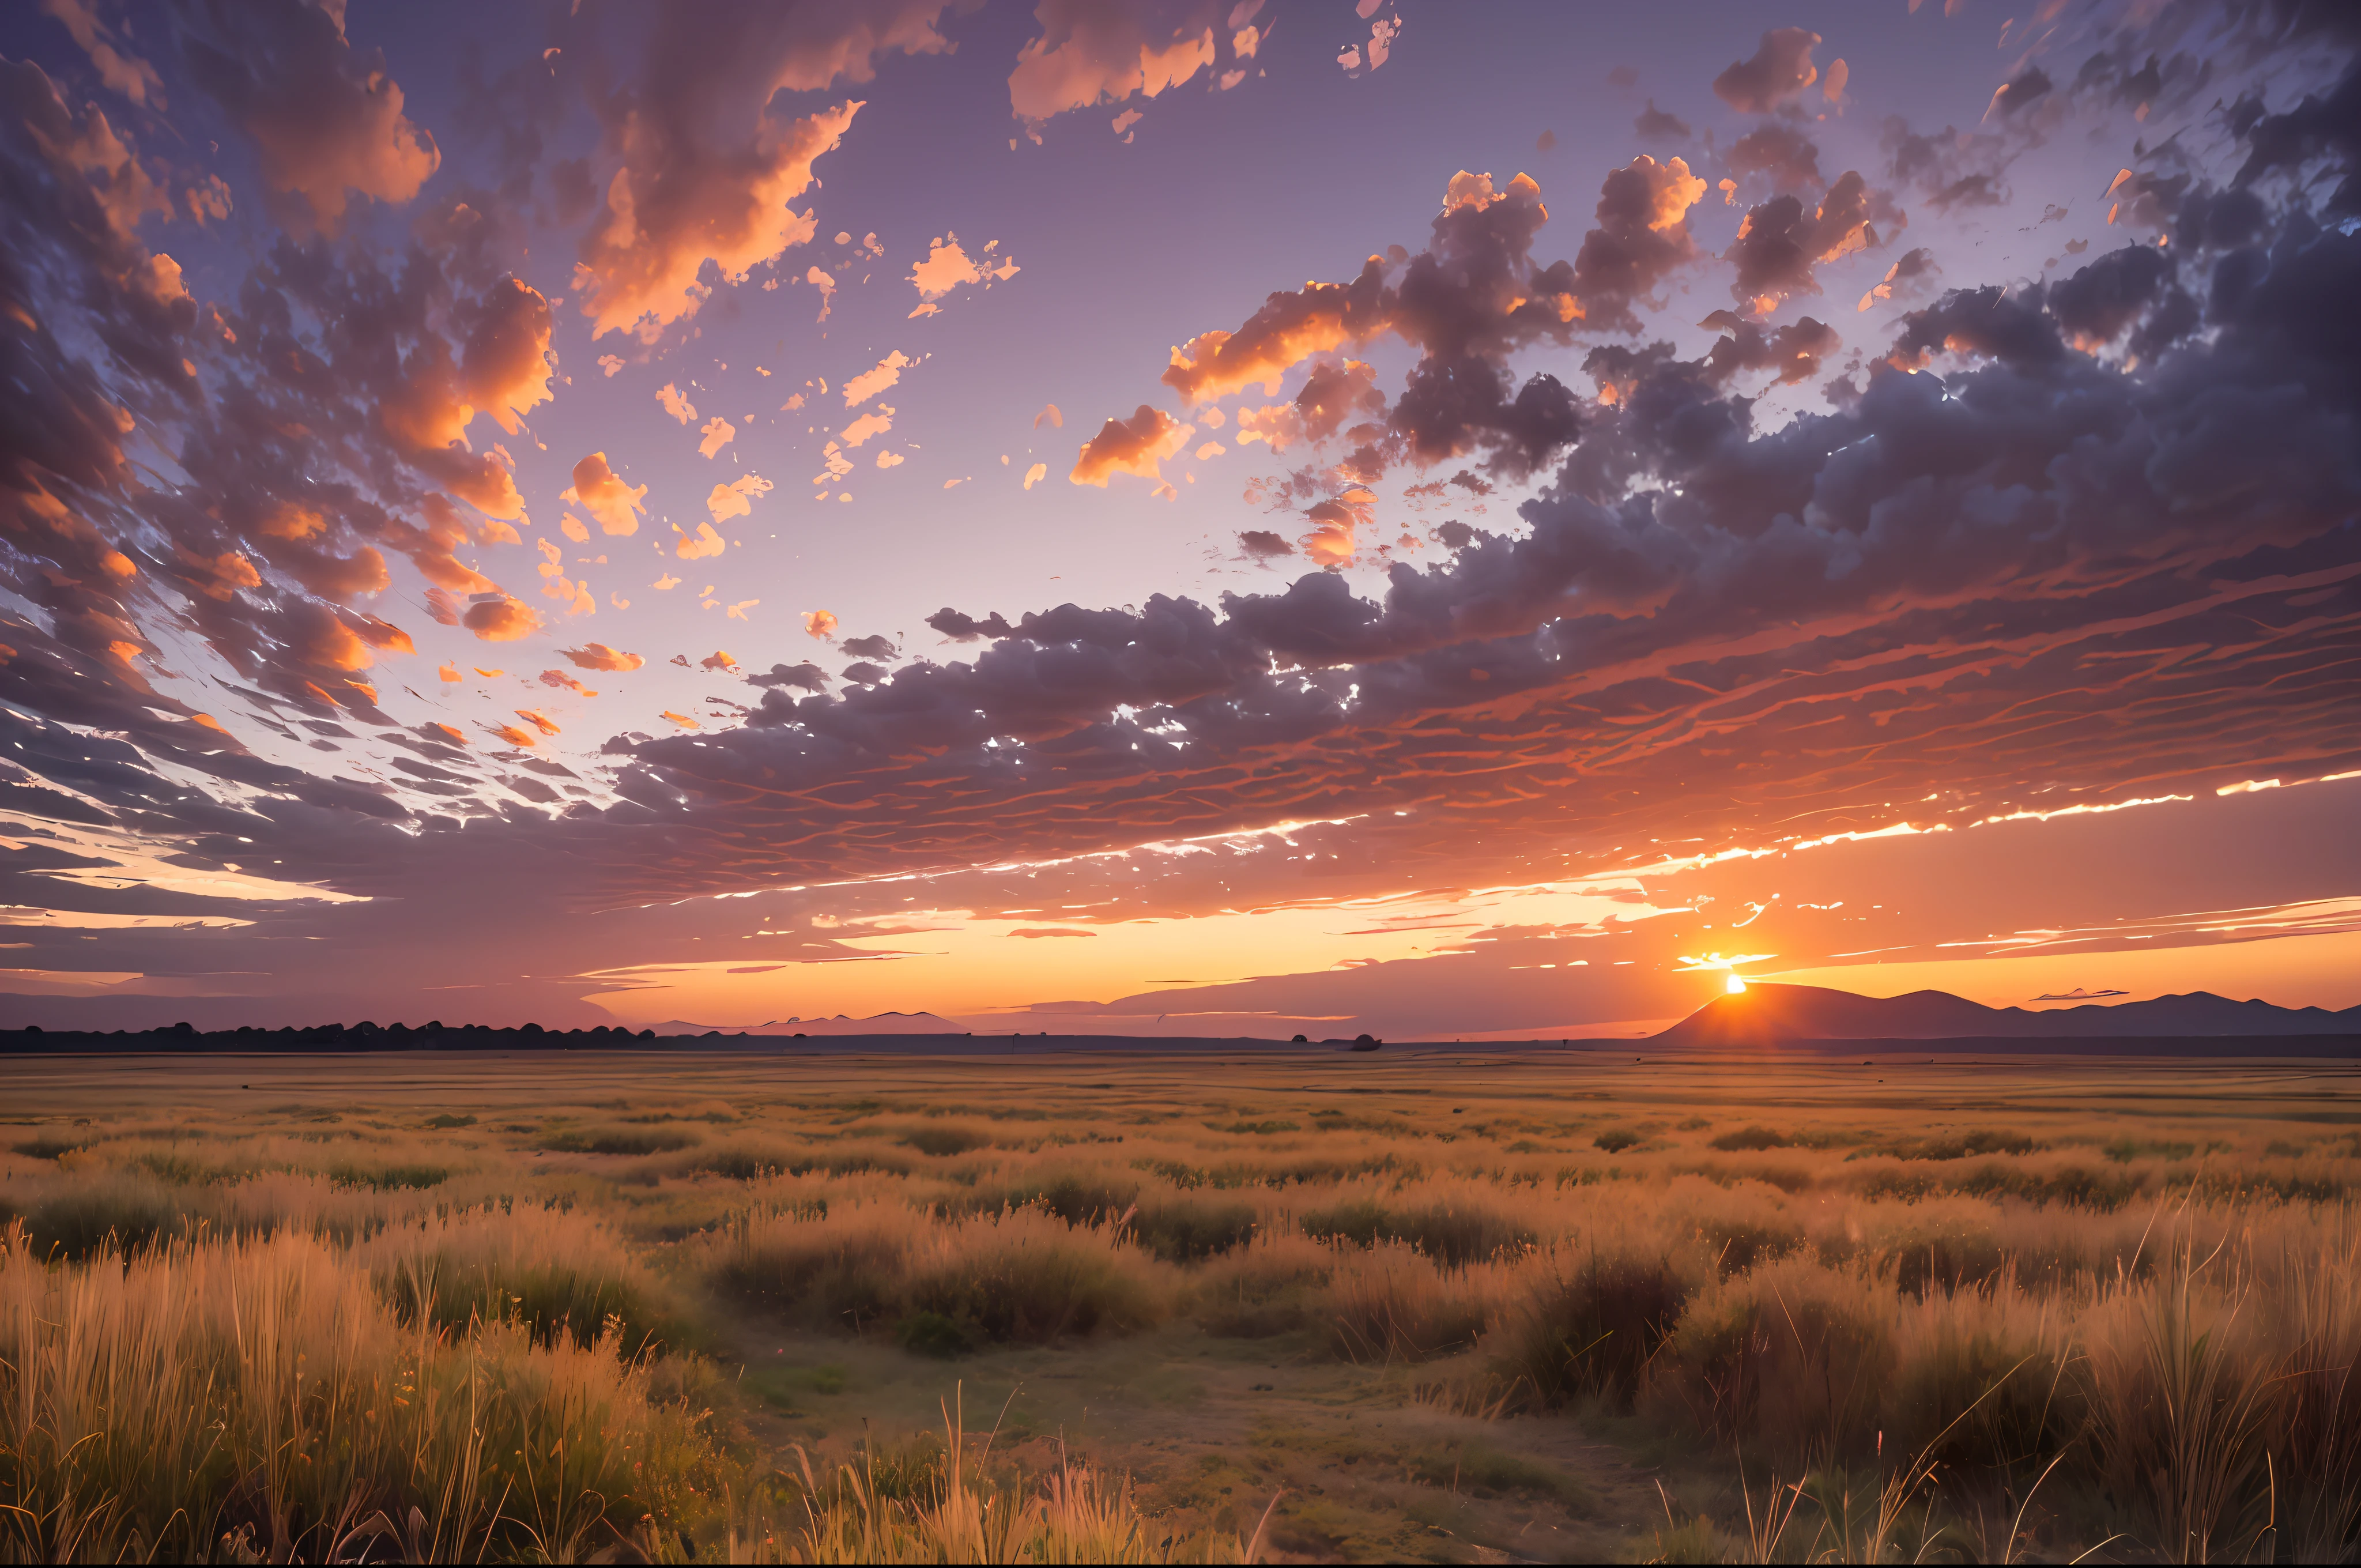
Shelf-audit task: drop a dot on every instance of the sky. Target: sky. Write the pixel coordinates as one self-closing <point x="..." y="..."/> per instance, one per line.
<point x="1242" y="519"/>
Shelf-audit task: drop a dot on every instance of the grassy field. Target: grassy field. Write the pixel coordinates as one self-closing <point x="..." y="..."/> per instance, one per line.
<point x="1442" y="1305"/>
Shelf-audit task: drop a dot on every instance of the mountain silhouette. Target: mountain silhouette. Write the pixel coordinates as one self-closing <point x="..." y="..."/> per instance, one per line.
<point x="1764" y="1014"/>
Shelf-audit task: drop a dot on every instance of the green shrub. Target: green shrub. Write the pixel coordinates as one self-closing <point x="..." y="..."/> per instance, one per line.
<point x="1750" y="1140"/>
<point x="943" y="1141"/>
<point x="1589" y="1322"/>
<point x="618" y="1140"/>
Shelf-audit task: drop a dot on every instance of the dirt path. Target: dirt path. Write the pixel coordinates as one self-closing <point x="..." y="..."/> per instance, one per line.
<point x="1365" y="1464"/>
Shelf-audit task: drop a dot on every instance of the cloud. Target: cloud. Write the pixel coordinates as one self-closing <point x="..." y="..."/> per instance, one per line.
<point x="1653" y="124"/>
<point x="501" y="619"/>
<point x="505" y="365"/>
<point x="877" y="648"/>
<point x="801" y="677"/>
<point x="1779" y="71"/>
<point x="2015" y="96"/>
<point x="1261" y="544"/>
<point x="948" y="266"/>
<point x="1795" y="351"/>
<point x="875" y="422"/>
<point x="1091" y="53"/>
<point x="675" y="403"/>
<point x="1049" y="412"/>
<point x="677" y="203"/>
<point x="825" y="281"/>
<point x="705" y="542"/>
<point x="125" y="72"/>
<point x="1780" y="151"/>
<point x="1136" y="445"/>
<point x="1780" y="241"/>
<point x="327" y="125"/>
<point x="1910" y="275"/>
<point x="1467" y="302"/>
<point x="735" y="498"/>
<point x="870" y="382"/>
<point x="718" y="433"/>
<point x="598" y="656"/>
<point x="719" y="660"/>
<point x="1036" y="474"/>
<point x="1333" y="393"/>
<point x="819" y="624"/>
<point x="560" y="680"/>
<point x="597" y="490"/>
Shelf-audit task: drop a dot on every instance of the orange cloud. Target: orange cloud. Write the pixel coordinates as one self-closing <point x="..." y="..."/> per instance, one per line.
<point x="705" y="542"/>
<point x="676" y="402"/>
<point x="732" y="501"/>
<point x="718" y="433"/>
<point x="668" y="211"/>
<point x="327" y="125"/>
<point x="598" y="491"/>
<point x="821" y="624"/>
<point x="598" y="656"/>
<point x="504" y="620"/>
<point x="1336" y="523"/>
<point x="534" y="718"/>
<point x="948" y="266"/>
<point x="869" y="383"/>
<point x="877" y="423"/>
<point x="1090" y="53"/>
<point x="1136" y="445"/>
<point x="505" y="366"/>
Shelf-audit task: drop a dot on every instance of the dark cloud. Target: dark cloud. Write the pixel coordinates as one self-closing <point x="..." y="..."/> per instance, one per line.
<point x="799" y="677"/>
<point x="2019" y="93"/>
<point x="326" y="124"/>
<point x="1656" y="124"/>
<point x="2324" y="125"/>
<point x="1466" y="302"/>
<point x="1947" y="169"/>
<point x="872" y="647"/>
<point x="1795" y="351"/>
<point x="1261" y="544"/>
<point x="1781" y="241"/>
<point x="1782" y="152"/>
<point x="962" y="627"/>
<point x="1779" y="71"/>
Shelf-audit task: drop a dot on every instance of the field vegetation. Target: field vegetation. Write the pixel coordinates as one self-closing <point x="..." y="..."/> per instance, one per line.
<point x="1450" y="1307"/>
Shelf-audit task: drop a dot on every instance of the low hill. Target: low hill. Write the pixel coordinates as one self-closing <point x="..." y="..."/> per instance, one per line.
<point x="1763" y="1014"/>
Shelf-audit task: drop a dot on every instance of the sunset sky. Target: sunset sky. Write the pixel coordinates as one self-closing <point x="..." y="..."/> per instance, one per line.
<point x="1239" y="519"/>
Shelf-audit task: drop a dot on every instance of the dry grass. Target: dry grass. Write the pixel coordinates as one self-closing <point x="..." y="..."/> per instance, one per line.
<point x="2002" y="1328"/>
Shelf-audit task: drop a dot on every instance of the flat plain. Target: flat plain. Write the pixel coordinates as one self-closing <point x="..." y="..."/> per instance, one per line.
<point x="1429" y="1304"/>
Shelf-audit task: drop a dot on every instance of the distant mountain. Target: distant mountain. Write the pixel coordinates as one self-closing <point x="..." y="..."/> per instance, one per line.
<point x="1763" y="1014"/>
<point x="882" y="1024"/>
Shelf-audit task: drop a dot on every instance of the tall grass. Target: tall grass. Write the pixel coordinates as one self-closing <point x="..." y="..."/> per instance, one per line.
<point x="348" y="1331"/>
<point x="259" y="1396"/>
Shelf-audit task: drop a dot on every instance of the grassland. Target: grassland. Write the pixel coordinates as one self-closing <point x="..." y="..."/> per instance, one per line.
<point x="1449" y="1305"/>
